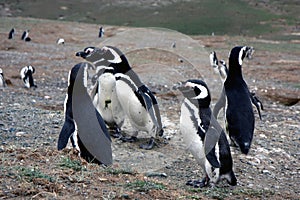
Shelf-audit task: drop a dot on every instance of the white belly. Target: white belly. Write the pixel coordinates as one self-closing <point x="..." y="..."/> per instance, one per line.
<point x="136" y="113"/>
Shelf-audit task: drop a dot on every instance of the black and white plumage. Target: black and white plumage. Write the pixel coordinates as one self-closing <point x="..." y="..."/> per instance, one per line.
<point x="11" y="34"/>
<point x="203" y="135"/>
<point x="221" y="68"/>
<point x="101" y="32"/>
<point x="26" y="74"/>
<point x="239" y="113"/>
<point x="83" y="124"/>
<point x="25" y="36"/>
<point x="2" y="80"/>
<point x="136" y="100"/>
<point x="60" y="41"/>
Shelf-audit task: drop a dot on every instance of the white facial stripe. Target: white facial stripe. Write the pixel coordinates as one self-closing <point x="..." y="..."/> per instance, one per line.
<point x="85" y="75"/>
<point x="117" y="58"/>
<point x="241" y="55"/>
<point x="97" y="61"/>
<point x="89" y="50"/>
<point x="204" y="92"/>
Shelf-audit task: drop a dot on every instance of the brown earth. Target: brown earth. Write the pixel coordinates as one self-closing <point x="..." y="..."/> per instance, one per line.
<point x="31" y="119"/>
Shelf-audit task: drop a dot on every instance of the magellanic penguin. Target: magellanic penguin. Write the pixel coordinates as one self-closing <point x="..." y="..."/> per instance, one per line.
<point x="203" y="135"/>
<point x="137" y="101"/>
<point x="240" y="120"/>
<point x="11" y="34"/>
<point x="2" y="80"/>
<point x="83" y="123"/>
<point x="25" y="36"/>
<point x="104" y="91"/>
<point x="221" y="68"/>
<point x="101" y="32"/>
<point x="26" y="74"/>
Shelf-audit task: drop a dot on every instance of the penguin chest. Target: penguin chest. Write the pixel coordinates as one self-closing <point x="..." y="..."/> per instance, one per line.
<point x="106" y="87"/>
<point x="189" y="129"/>
<point x="133" y="108"/>
<point x="1" y="81"/>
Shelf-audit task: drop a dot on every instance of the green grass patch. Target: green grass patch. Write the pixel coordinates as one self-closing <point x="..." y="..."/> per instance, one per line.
<point x="32" y="173"/>
<point x="114" y="171"/>
<point x="145" y="186"/>
<point x="71" y="164"/>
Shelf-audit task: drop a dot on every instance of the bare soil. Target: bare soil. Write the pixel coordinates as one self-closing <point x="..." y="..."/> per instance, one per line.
<point x="31" y="119"/>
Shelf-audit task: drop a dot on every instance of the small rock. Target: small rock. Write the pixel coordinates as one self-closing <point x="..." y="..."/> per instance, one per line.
<point x="20" y="133"/>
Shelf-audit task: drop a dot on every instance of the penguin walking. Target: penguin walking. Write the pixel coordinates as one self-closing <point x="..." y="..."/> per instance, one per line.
<point x="25" y="36"/>
<point x="83" y="124"/>
<point x="26" y="74"/>
<point x="104" y="91"/>
<point x="2" y="80"/>
<point x="239" y="113"/>
<point x="11" y="34"/>
<point x="203" y="135"/>
<point x="137" y="101"/>
<point x="221" y="68"/>
<point x="101" y="32"/>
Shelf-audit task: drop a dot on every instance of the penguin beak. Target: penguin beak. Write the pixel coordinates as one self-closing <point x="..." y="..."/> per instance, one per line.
<point x="81" y="54"/>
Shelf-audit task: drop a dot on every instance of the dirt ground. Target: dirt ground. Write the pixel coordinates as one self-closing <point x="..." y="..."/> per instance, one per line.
<point x="31" y="119"/>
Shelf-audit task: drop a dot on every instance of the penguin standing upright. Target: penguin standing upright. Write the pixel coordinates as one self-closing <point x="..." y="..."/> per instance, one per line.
<point x="83" y="124"/>
<point x="11" y="34"/>
<point x="104" y="92"/>
<point x="101" y="32"/>
<point x="26" y="74"/>
<point x="203" y="135"/>
<point x="137" y="101"/>
<point x="2" y="80"/>
<point x="25" y="36"/>
<point x="239" y="113"/>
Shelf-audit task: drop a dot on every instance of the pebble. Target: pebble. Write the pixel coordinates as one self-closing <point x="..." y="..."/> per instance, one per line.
<point x="20" y="133"/>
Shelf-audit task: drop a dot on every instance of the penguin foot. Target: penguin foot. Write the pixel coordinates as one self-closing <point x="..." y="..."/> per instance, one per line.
<point x="149" y="145"/>
<point x="116" y="133"/>
<point x="198" y="183"/>
<point x="128" y="139"/>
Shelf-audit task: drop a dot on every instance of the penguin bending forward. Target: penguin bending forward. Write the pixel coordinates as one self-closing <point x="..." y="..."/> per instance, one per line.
<point x="137" y="101"/>
<point x="238" y="109"/>
<point x="203" y="135"/>
<point x="104" y="91"/>
<point x="26" y="74"/>
<point x="83" y="124"/>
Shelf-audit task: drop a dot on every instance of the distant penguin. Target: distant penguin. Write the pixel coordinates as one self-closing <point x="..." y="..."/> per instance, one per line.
<point x="2" y="80"/>
<point x="60" y="41"/>
<point x="26" y="74"/>
<point x="11" y="34"/>
<point x="101" y="32"/>
<point x="203" y="135"/>
<point x="239" y="113"/>
<point x="83" y="124"/>
<point x="25" y="36"/>
<point x="137" y="101"/>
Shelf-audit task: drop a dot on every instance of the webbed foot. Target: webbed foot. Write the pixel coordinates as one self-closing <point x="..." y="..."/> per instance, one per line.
<point x="198" y="183"/>
<point x="129" y="139"/>
<point x="149" y="145"/>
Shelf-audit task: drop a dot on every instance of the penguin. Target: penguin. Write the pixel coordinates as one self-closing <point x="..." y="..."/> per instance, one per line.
<point x="26" y="75"/>
<point x="11" y="34"/>
<point x="60" y="41"/>
<point x="101" y="32"/>
<point x="221" y="68"/>
<point x="83" y="124"/>
<point x="2" y="80"/>
<point x="25" y="36"/>
<point x="203" y="135"/>
<point x="137" y="101"/>
<point x="104" y="93"/>
<point x="239" y="114"/>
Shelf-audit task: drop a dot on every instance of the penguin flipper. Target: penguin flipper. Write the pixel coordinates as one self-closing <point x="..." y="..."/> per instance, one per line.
<point x="65" y="133"/>
<point x="220" y="104"/>
<point x="257" y="103"/>
<point x="211" y="139"/>
<point x="146" y="93"/>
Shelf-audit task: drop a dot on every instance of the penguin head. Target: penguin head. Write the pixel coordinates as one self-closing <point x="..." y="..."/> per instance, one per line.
<point x="238" y="53"/>
<point x="107" y="56"/>
<point x="1" y="72"/>
<point x="196" y="91"/>
<point x="243" y="141"/>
